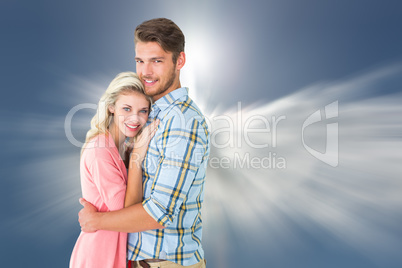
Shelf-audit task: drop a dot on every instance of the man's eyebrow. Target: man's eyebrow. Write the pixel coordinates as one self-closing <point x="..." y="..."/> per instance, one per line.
<point x="151" y="59"/>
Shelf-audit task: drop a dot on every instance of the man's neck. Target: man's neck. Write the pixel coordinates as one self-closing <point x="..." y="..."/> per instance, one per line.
<point x="171" y="89"/>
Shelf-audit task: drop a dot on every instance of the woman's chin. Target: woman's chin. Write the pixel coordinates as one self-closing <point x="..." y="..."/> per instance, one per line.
<point x="131" y="134"/>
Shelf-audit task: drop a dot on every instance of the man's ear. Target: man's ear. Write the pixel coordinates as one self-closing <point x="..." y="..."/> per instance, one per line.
<point x="181" y="60"/>
<point x="111" y="109"/>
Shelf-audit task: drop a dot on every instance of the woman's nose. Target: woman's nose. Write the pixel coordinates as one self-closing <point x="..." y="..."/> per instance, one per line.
<point x="133" y="117"/>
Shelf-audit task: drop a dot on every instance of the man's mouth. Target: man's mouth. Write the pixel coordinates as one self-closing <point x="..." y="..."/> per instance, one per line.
<point x="149" y="82"/>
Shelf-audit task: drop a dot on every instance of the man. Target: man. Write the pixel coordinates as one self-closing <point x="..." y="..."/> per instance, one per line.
<point x="166" y="228"/>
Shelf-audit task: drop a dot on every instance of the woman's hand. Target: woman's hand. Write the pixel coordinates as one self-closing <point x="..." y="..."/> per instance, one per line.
<point x="142" y="141"/>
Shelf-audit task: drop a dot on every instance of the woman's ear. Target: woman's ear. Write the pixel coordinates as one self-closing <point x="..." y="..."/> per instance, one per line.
<point x="111" y="109"/>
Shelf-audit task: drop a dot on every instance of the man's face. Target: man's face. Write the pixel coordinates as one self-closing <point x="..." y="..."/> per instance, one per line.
<point x="156" y="69"/>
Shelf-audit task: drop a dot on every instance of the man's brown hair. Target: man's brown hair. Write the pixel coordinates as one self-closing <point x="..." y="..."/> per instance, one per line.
<point x="164" y="32"/>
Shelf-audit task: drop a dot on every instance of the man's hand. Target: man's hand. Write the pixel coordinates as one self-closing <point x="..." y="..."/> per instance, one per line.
<point x="87" y="216"/>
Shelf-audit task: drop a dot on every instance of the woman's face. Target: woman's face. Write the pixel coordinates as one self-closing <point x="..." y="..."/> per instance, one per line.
<point x="130" y="114"/>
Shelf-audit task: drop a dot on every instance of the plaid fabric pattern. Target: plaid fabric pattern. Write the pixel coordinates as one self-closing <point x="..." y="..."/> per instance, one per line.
<point x="173" y="182"/>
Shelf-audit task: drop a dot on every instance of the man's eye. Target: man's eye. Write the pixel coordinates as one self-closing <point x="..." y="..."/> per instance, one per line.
<point x="139" y="61"/>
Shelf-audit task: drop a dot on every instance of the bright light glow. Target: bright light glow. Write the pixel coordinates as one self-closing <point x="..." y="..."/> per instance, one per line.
<point x="276" y="199"/>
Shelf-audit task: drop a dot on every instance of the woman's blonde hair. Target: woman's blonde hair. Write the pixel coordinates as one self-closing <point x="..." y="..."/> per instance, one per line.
<point x="123" y="83"/>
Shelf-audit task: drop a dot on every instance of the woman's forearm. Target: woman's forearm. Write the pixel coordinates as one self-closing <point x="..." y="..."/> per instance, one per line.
<point x="134" y="190"/>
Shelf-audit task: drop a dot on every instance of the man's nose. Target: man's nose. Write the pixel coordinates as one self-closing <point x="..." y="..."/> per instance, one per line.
<point x="146" y="69"/>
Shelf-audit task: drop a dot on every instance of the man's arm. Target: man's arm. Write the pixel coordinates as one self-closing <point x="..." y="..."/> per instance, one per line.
<point x="183" y="148"/>
<point x="129" y="220"/>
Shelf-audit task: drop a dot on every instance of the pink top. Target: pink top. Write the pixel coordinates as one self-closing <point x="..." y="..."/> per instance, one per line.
<point x="103" y="183"/>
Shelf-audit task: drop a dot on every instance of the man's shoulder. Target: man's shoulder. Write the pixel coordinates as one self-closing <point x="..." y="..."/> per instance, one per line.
<point x="186" y="108"/>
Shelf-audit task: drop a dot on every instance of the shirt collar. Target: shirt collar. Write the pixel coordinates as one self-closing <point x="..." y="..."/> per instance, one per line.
<point x="164" y="102"/>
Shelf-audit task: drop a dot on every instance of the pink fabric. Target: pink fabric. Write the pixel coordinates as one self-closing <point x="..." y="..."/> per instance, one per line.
<point x="103" y="183"/>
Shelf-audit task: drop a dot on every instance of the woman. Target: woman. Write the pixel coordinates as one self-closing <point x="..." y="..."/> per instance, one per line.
<point x="122" y="112"/>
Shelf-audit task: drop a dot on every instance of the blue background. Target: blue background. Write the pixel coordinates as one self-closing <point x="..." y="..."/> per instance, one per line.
<point x="276" y="58"/>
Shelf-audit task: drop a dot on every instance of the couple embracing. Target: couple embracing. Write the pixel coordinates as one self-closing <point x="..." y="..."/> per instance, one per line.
<point x="145" y="212"/>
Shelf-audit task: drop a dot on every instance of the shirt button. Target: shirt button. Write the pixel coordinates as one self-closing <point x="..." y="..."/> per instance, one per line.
<point x="163" y="255"/>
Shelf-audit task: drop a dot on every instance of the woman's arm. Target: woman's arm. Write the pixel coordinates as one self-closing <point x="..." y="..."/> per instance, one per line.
<point x="134" y="191"/>
<point x="134" y="182"/>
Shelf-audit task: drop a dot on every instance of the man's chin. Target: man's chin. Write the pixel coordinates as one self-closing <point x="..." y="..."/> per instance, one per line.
<point x="151" y="91"/>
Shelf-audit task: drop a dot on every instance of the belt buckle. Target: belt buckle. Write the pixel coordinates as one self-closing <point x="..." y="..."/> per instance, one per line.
<point x="144" y="264"/>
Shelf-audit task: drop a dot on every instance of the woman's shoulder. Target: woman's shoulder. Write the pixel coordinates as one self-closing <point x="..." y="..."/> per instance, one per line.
<point x="98" y="146"/>
<point x="100" y="139"/>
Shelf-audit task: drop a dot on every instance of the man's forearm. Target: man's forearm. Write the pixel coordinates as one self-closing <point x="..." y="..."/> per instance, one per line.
<point x="132" y="219"/>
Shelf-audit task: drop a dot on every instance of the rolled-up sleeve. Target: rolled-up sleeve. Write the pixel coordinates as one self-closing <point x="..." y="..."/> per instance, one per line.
<point x="182" y="147"/>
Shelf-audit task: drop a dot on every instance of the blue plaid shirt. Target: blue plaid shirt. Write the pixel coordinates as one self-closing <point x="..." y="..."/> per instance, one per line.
<point x="173" y="182"/>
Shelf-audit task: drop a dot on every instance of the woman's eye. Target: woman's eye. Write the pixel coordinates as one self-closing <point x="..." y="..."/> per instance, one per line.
<point x="126" y="109"/>
<point x="144" y="111"/>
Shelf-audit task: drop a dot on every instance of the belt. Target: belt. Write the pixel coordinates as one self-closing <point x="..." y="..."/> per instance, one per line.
<point x="149" y="263"/>
<point x="144" y="263"/>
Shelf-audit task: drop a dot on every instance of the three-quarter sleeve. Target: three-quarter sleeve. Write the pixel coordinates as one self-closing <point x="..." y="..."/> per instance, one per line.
<point x="182" y="149"/>
<point x="108" y="179"/>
